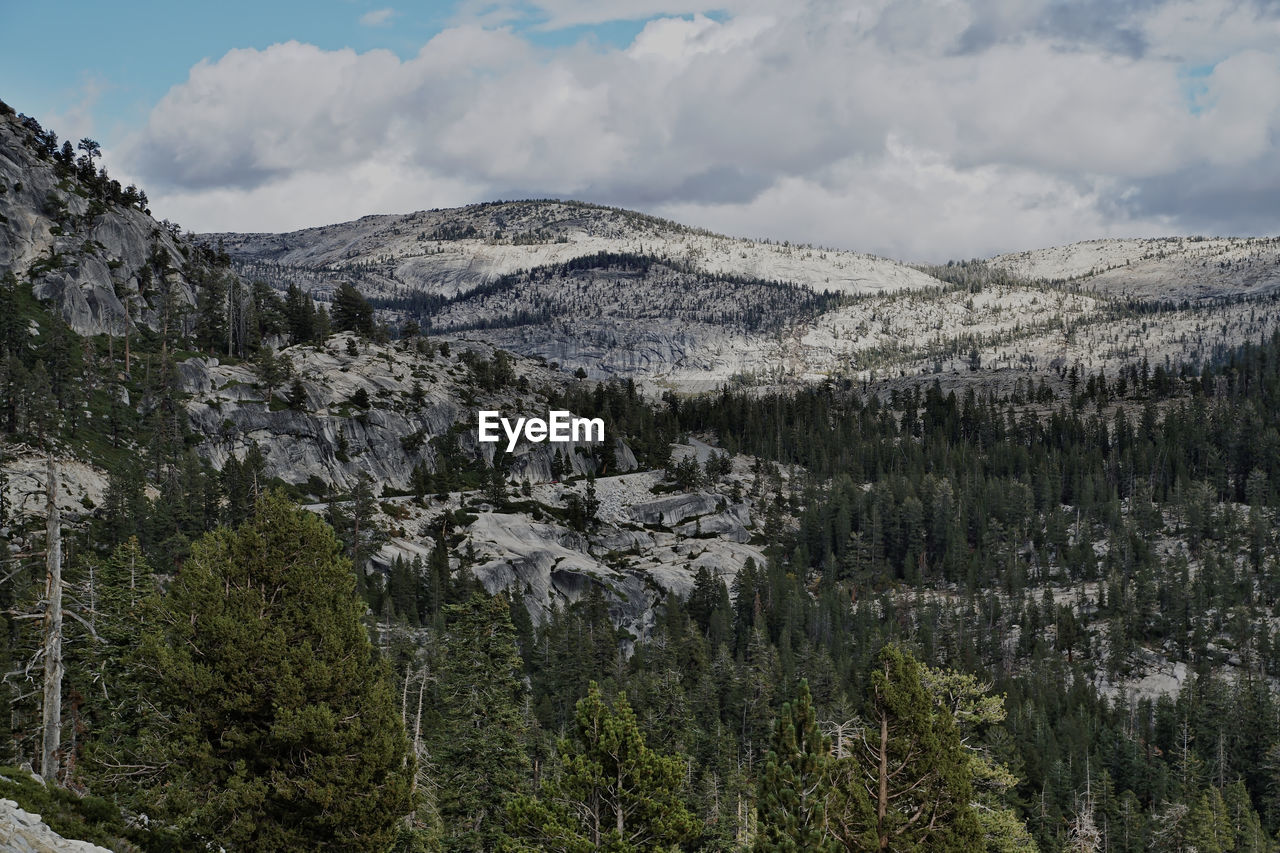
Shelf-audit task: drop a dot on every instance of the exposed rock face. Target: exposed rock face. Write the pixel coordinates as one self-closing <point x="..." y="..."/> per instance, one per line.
<point x="103" y="265"/>
<point x="675" y="509"/>
<point x="642" y="547"/>
<point x="412" y="399"/>
<point x="23" y="832"/>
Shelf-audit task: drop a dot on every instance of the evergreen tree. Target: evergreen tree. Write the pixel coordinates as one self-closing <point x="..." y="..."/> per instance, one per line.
<point x="299" y="315"/>
<point x="613" y="792"/>
<point x="273" y="369"/>
<point x="479" y="745"/>
<point x="791" y="802"/>
<point x="273" y="726"/>
<point x="1209" y="827"/>
<point x="351" y="311"/>
<point x="907" y="787"/>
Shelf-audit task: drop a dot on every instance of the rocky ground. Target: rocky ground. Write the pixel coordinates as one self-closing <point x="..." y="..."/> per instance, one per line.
<point x="413" y="397"/>
<point x="649" y="539"/>
<point x="23" y="832"/>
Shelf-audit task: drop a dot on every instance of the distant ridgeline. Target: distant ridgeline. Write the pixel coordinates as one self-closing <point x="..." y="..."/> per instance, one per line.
<point x="615" y="285"/>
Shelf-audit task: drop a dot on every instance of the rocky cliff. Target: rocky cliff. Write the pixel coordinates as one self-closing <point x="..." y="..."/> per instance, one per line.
<point x="105" y="265"/>
<point x="380" y="410"/>
<point x="647" y="541"/>
<point x="383" y="409"/>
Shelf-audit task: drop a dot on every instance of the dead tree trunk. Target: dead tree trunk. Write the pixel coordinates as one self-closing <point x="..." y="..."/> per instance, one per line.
<point x="52" y="632"/>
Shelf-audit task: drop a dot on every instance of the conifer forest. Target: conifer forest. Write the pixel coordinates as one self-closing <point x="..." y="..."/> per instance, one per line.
<point x="247" y="602"/>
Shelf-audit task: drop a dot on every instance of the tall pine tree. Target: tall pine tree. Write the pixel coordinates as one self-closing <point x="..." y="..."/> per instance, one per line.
<point x="793" y="783"/>
<point x="273" y="726"/>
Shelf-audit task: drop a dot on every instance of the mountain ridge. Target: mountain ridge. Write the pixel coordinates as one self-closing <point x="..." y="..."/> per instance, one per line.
<point x="1090" y="302"/>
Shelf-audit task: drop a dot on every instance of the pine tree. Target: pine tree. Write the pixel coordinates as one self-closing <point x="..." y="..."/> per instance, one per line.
<point x="273" y="369"/>
<point x="402" y="590"/>
<point x="351" y="311"/>
<point x="907" y="785"/>
<point x="297" y="396"/>
<point x="122" y="584"/>
<point x="613" y="792"/>
<point x="479" y="745"/>
<point x="1209" y="828"/>
<point x="791" y="802"/>
<point x="704" y="597"/>
<point x="272" y="725"/>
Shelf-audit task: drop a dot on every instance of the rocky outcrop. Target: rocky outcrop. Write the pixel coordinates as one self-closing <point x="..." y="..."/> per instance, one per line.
<point x="377" y="411"/>
<point x="23" y="832"/>
<point x="104" y="265"/>
<point x="531" y="555"/>
<point x="644" y="546"/>
<point x="675" y="509"/>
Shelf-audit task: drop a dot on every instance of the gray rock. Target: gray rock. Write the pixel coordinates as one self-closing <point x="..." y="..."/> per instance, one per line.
<point x="23" y="832"/>
<point x="88" y="264"/>
<point x="672" y="510"/>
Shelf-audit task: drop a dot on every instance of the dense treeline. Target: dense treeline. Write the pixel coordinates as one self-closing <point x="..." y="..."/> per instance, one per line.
<point x="1063" y="541"/>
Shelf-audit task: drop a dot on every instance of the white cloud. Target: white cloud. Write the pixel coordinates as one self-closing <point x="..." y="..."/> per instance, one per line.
<point x="377" y="17"/>
<point x="674" y="41"/>
<point x="1207" y="31"/>
<point x="307" y="198"/>
<point x="922" y="128"/>
<point x="76" y="122"/>
<point x="913" y="204"/>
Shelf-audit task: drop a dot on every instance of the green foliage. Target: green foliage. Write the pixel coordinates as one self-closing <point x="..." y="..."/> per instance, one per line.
<point x="273" y="369"/>
<point x="611" y="793"/>
<point x="478" y="744"/>
<point x="351" y="311"/>
<point x="87" y="818"/>
<point x="273" y="724"/>
<point x="791" y="804"/>
<point x="909" y="785"/>
<point x="303" y="322"/>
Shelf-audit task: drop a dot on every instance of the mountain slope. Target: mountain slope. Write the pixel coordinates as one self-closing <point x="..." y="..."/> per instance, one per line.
<point x="84" y="242"/>
<point x="1172" y="268"/>
<point x="617" y="293"/>
<point x="448" y="251"/>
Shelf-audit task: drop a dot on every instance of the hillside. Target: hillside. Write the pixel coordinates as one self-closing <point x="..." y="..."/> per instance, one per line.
<point x="1168" y="268"/>
<point x="448" y="251"/>
<point x="621" y="294"/>
<point x="84" y="242"/>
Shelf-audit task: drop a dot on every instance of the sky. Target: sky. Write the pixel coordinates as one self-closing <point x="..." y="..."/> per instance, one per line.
<point x="916" y="129"/>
